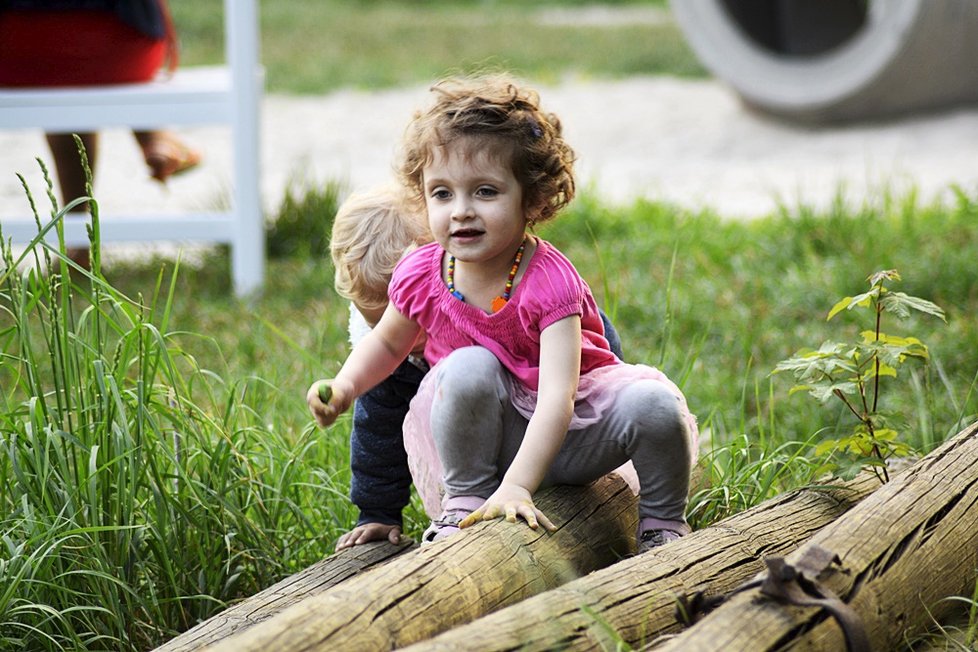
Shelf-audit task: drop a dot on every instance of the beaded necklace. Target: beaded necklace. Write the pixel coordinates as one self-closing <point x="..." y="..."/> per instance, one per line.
<point x="500" y="301"/>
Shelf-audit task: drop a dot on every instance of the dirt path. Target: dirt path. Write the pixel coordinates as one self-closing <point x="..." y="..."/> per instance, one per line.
<point x="688" y="142"/>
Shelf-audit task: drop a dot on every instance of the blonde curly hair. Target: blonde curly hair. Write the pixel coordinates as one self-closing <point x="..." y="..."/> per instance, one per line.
<point x="493" y="110"/>
<point x="371" y="232"/>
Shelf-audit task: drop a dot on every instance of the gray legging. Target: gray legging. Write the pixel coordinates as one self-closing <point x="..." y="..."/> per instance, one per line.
<point x="477" y="432"/>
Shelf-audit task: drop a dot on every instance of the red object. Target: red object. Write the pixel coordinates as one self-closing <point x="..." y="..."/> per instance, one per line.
<point x="74" y="48"/>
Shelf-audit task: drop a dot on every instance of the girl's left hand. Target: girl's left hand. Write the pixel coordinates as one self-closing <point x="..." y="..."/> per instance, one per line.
<point x="509" y="501"/>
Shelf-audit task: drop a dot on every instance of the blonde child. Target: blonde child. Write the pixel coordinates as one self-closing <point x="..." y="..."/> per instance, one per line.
<point x="371" y="233"/>
<point x="524" y="391"/>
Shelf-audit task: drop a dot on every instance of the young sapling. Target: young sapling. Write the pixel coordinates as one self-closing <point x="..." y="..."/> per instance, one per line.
<point x="851" y="372"/>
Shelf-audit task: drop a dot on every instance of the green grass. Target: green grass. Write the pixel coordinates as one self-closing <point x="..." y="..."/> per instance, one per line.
<point x="140" y="488"/>
<point x="313" y="46"/>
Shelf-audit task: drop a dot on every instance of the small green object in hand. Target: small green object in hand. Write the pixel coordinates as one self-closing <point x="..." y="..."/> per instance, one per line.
<point x="325" y="392"/>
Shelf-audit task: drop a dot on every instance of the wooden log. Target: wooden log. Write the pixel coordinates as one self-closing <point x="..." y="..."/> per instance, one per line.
<point x="903" y="550"/>
<point x="458" y="579"/>
<point x="636" y="598"/>
<point x="263" y="605"/>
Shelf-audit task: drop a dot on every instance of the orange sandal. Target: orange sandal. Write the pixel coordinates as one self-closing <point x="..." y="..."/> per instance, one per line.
<point x="166" y="155"/>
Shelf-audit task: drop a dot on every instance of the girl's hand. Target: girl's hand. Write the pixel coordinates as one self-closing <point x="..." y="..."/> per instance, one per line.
<point x="509" y="501"/>
<point x="338" y="401"/>
<point x="369" y="532"/>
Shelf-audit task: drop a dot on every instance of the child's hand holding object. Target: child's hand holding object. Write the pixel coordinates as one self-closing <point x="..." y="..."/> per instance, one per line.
<point x="327" y="399"/>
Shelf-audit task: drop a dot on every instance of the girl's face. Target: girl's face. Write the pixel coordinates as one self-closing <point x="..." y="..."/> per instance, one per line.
<point x="475" y="203"/>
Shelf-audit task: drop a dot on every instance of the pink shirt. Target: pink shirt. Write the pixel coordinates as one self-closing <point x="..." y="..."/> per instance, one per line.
<point x="550" y="290"/>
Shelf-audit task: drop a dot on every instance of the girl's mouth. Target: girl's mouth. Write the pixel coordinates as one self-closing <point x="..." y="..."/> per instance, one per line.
<point x="465" y="234"/>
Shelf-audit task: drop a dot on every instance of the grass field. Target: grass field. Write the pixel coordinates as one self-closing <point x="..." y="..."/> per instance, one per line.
<point x="312" y="46"/>
<point x="158" y="461"/>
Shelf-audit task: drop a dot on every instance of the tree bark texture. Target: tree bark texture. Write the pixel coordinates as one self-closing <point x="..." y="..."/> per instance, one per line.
<point x="263" y="605"/>
<point x="635" y="600"/>
<point x="903" y="550"/>
<point x="450" y="582"/>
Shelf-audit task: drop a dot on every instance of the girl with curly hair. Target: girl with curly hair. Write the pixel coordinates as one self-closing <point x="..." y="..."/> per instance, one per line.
<point x="524" y="391"/>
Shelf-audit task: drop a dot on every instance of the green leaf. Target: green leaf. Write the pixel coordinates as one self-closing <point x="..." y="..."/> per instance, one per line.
<point x="893" y="350"/>
<point x="848" y="303"/>
<point x="809" y="366"/>
<point x="877" y="278"/>
<point x="886" y="434"/>
<point x="839" y="307"/>
<point x="825" y="391"/>
<point x="884" y="370"/>
<point x="848" y="469"/>
<point x="826" y="447"/>
<point x="901" y="304"/>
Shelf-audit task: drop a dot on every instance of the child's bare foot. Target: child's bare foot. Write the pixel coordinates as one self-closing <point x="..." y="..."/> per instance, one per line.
<point x="369" y="532"/>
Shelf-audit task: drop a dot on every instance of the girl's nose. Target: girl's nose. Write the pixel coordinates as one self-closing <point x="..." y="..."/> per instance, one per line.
<point x="462" y="209"/>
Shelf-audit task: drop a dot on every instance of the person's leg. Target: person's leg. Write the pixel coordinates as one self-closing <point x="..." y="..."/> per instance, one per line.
<point x="381" y="480"/>
<point x="67" y="162"/>
<point x="645" y="425"/>
<point x="71" y="175"/>
<point x="471" y="418"/>
<point x="469" y="415"/>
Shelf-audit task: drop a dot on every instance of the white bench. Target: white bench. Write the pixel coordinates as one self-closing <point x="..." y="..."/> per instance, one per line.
<point x="220" y="95"/>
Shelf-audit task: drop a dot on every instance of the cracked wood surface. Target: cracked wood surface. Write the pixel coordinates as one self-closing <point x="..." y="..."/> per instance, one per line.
<point x="453" y="581"/>
<point x="635" y="598"/>
<point x="265" y="604"/>
<point x="903" y="550"/>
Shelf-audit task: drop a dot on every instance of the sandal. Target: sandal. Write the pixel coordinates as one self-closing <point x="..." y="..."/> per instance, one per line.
<point x="166" y="155"/>
<point x="655" y="532"/>
<point x="454" y="511"/>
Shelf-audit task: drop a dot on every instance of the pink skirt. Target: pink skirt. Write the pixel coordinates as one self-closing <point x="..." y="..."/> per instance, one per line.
<point x="596" y="392"/>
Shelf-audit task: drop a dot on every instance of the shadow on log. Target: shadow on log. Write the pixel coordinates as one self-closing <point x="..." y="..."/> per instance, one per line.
<point x="263" y="605"/>
<point x="453" y="581"/>
<point x="636" y="598"/>
<point x="902" y="550"/>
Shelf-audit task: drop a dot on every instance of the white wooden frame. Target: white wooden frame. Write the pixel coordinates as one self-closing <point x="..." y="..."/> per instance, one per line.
<point x="228" y="94"/>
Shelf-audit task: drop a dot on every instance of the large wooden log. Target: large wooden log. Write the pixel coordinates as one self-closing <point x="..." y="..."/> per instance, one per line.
<point x="903" y="550"/>
<point x="263" y="605"/>
<point x="459" y="579"/>
<point x="636" y="598"/>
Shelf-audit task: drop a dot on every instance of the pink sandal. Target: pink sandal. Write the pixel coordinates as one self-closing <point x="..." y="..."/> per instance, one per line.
<point x="454" y="511"/>
<point x="655" y="532"/>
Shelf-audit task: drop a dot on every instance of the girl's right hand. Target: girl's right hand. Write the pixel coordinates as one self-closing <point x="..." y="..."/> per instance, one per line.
<point x="338" y="401"/>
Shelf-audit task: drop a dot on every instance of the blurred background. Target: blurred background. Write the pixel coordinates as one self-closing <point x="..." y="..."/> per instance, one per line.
<point x="740" y="107"/>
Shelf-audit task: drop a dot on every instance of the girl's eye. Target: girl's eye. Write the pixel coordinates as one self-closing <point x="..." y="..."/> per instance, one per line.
<point x="487" y="192"/>
<point x="439" y="193"/>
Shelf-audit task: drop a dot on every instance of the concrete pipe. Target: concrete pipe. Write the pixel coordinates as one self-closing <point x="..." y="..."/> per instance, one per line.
<point x="838" y="60"/>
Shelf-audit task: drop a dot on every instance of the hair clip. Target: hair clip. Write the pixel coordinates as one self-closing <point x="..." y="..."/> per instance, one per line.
<point x="535" y="128"/>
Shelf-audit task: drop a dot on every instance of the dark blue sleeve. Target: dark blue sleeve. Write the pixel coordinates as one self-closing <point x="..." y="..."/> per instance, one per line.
<point x="381" y="480"/>
<point x="610" y="334"/>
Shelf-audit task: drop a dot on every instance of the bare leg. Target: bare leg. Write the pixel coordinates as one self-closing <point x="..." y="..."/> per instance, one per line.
<point x="71" y="175"/>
